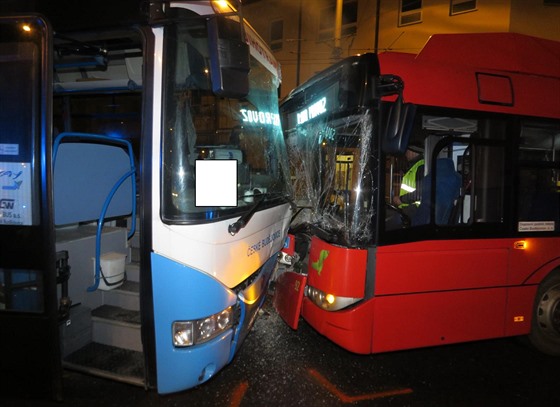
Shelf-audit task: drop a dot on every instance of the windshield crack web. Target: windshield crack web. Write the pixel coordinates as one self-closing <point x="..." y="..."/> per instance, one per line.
<point x="332" y="176"/>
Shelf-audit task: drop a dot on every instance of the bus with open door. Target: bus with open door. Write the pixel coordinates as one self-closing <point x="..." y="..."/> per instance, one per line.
<point x="114" y="117"/>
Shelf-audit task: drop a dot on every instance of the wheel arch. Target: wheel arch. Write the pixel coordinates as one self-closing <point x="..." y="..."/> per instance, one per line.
<point x="543" y="272"/>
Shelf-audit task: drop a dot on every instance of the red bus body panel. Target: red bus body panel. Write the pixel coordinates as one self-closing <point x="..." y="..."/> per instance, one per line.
<point x="350" y="328"/>
<point x="336" y="269"/>
<point x="288" y="296"/>
<point x="432" y="292"/>
<point x="440" y="266"/>
<point x="455" y="71"/>
<point x="437" y="318"/>
<point x="519" y="310"/>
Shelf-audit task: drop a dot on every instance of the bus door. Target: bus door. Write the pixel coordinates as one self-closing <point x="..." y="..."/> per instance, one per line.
<point x="29" y="342"/>
<point x="461" y="195"/>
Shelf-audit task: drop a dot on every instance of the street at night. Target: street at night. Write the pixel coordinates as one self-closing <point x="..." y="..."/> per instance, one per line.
<point x="183" y="183"/>
<point x="279" y="367"/>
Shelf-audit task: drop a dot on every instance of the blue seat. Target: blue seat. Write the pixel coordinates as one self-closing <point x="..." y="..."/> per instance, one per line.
<point x="448" y="187"/>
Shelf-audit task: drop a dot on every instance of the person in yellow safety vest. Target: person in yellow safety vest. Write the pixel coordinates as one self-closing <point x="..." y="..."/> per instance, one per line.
<point x="411" y="185"/>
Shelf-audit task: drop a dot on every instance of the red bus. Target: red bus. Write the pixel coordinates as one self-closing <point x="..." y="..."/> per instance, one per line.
<point x="434" y="221"/>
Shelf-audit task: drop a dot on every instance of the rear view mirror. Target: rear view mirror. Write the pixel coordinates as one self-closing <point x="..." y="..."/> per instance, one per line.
<point x="229" y="57"/>
<point x="398" y="126"/>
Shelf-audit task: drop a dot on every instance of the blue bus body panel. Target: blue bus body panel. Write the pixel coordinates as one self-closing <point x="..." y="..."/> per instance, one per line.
<point x="182" y="293"/>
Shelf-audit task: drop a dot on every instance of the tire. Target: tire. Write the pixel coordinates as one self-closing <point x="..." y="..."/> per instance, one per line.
<point x="545" y="326"/>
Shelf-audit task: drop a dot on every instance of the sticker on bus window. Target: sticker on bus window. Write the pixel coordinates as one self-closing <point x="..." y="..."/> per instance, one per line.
<point x="15" y="193"/>
<point x="536" y="226"/>
<point x="9" y="149"/>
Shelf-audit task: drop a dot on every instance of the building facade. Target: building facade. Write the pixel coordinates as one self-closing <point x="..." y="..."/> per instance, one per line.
<point x="308" y="36"/>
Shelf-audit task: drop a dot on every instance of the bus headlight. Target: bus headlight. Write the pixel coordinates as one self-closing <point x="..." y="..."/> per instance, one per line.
<point x="328" y="301"/>
<point x="189" y="333"/>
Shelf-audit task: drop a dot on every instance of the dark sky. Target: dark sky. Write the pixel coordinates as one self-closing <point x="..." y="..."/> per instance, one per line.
<point x="74" y="14"/>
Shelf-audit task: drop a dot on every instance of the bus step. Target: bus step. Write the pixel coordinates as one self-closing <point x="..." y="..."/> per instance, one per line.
<point x="116" y="326"/>
<point x="132" y="271"/>
<point x="134" y="254"/>
<point x="109" y="362"/>
<point x="126" y="296"/>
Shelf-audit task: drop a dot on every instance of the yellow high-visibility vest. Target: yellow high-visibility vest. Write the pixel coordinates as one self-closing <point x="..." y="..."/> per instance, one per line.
<point x="408" y="183"/>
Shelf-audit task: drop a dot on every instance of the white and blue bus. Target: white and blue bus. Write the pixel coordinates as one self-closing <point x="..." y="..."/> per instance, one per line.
<point x="110" y="264"/>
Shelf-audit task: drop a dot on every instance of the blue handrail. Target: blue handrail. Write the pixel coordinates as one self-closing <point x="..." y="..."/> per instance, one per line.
<point x="101" y="220"/>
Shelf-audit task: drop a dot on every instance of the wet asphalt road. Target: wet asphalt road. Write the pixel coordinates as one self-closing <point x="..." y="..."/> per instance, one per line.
<point x="279" y="367"/>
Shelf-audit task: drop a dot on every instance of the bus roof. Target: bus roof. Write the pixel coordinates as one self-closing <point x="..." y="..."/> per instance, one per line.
<point x="508" y="52"/>
<point x="501" y="72"/>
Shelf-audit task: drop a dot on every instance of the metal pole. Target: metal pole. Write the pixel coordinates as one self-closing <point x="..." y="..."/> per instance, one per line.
<point x="337" y="51"/>
<point x="377" y="14"/>
<point x="299" y="40"/>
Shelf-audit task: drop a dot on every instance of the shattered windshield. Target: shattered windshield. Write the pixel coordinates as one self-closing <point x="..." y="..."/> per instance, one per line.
<point x="332" y="150"/>
<point x="330" y="160"/>
<point x="202" y="126"/>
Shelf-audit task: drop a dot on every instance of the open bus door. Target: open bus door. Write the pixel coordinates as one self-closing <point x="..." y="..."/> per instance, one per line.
<point x="194" y="277"/>
<point x="30" y="361"/>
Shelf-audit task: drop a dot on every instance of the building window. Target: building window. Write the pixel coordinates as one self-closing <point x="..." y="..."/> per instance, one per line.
<point x="276" y="35"/>
<point x="410" y="12"/>
<point x="461" y="6"/>
<point x="349" y="20"/>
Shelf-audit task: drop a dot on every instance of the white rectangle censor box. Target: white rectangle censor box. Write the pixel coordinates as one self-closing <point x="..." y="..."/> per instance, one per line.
<point x="216" y="183"/>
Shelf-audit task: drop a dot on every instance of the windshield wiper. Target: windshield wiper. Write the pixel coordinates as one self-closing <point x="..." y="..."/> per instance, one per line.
<point x="240" y="223"/>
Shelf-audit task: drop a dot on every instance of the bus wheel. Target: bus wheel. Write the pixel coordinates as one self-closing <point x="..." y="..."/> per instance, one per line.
<point x="545" y="330"/>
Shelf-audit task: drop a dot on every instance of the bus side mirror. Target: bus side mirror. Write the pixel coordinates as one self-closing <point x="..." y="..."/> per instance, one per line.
<point x="398" y="126"/>
<point x="229" y="57"/>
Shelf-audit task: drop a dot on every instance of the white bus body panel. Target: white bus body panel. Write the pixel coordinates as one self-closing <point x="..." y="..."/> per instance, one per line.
<point x="209" y="247"/>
